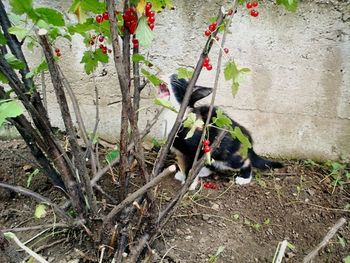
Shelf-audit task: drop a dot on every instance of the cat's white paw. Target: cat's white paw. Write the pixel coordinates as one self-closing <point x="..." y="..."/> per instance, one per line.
<point x="180" y="176"/>
<point x="204" y="172"/>
<point x="243" y="181"/>
<point x="194" y="184"/>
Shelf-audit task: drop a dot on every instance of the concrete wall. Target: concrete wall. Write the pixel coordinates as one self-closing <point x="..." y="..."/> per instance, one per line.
<point x="296" y="100"/>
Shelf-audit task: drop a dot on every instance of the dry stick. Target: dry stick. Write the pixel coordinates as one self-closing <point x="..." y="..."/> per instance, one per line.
<point x="67" y="120"/>
<point x="107" y="219"/>
<point x="310" y="257"/>
<point x="124" y="83"/>
<point x="40" y="198"/>
<point x="31" y="228"/>
<point x="138" y="249"/>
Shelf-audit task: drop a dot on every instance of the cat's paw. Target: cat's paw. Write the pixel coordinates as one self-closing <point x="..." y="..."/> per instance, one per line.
<point x="243" y="181"/>
<point x="180" y="176"/>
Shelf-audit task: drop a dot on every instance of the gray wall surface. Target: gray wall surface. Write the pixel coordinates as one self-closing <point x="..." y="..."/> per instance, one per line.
<point x="296" y="100"/>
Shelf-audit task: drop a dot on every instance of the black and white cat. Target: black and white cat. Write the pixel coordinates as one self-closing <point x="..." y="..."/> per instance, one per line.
<point x="226" y="156"/>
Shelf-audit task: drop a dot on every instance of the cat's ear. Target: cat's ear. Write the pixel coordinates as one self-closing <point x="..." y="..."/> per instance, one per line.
<point x="199" y="93"/>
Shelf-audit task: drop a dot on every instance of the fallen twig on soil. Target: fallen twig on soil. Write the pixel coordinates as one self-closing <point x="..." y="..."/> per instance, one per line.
<point x="310" y="257"/>
<point x="40" y="198"/>
<point x="31" y="228"/>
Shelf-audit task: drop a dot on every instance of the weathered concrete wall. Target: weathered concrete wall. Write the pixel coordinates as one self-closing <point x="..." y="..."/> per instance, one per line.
<point x="296" y="100"/>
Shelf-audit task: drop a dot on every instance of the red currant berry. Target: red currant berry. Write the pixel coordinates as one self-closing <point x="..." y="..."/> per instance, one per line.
<point x="249" y="5"/>
<point x="104" y="51"/>
<point x="101" y="46"/>
<point x="207" y="33"/>
<point x="105" y="16"/>
<point x="91" y="42"/>
<point x="135" y="43"/>
<point x="57" y="50"/>
<point x="151" y="14"/>
<point x="109" y="50"/>
<point x="151" y="26"/>
<point x="148" y="6"/>
<point x="206" y="142"/>
<point x="99" y="18"/>
<point x="209" y="67"/>
<point x="101" y="38"/>
<point x="226" y="50"/>
<point x="254" y="13"/>
<point x="151" y="20"/>
<point x="58" y="54"/>
<point x="230" y="12"/>
<point x="212" y="27"/>
<point x="94" y="37"/>
<point x="206" y="149"/>
<point x="255" y="4"/>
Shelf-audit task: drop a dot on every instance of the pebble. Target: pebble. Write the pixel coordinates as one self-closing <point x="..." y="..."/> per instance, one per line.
<point x="205" y="217"/>
<point x="188" y="237"/>
<point x="215" y="207"/>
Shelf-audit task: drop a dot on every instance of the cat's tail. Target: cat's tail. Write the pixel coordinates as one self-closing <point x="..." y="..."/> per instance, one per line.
<point x="262" y="163"/>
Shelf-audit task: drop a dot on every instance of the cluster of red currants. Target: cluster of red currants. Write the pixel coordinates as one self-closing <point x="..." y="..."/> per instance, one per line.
<point x="101" y="17"/>
<point x="100" y="39"/>
<point x="206" y="146"/>
<point x="251" y="5"/>
<point x="150" y="15"/>
<point x="57" y="52"/>
<point x="130" y="19"/>
<point x="212" y="27"/>
<point x="206" y="64"/>
<point x="210" y="185"/>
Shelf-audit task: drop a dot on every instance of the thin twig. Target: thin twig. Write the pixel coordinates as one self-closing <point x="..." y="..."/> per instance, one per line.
<point x="39" y="198"/>
<point x="31" y="228"/>
<point x="310" y="257"/>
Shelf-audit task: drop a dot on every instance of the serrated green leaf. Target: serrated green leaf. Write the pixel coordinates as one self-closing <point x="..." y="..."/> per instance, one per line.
<point x="165" y="103"/>
<point x="112" y="155"/>
<point x="40" y="211"/>
<point x="230" y="71"/>
<point x="140" y="58"/>
<point x="236" y="133"/>
<point x="18" y="31"/>
<point x="93" y="6"/>
<point x="82" y="28"/>
<point x="221" y="120"/>
<point x="20" y="7"/>
<point x="192" y="123"/>
<point x="91" y="59"/>
<point x="100" y="56"/>
<point x="37" y="70"/>
<point x="50" y="16"/>
<point x="9" y="109"/>
<point x="14" y="62"/>
<point x="143" y="33"/>
<point x="3" y="78"/>
<point x="151" y="77"/>
<point x="2" y="39"/>
<point x="234" y="88"/>
<point x="184" y="73"/>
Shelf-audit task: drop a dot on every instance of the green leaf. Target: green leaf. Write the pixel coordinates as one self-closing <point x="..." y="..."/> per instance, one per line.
<point x="237" y="133"/>
<point x="140" y="58"/>
<point x="14" y="62"/>
<point x="347" y="259"/>
<point x="143" y="33"/>
<point x="18" y="31"/>
<point x="30" y="178"/>
<point x="50" y="16"/>
<point x="151" y="77"/>
<point x="234" y="88"/>
<point x="83" y="27"/>
<point x="41" y="67"/>
<point x="93" y="6"/>
<point x="184" y="73"/>
<point x="40" y="211"/>
<point x="290" y="5"/>
<point x="9" y="109"/>
<point x="193" y="123"/>
<point x="244" y="70"/>
<point x="230" y="71"/>
<point x="3" y="78"/>
<point x="165" y="103"/>
<point x="91" y="59"/>
<point x="2" y="39"/>
<point x="221" y="120"/>
<point x="20" y="7"/>
<point x="112" y="155"/>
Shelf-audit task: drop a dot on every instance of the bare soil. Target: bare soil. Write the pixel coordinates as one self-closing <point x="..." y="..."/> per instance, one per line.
<point x="297" y="203"/>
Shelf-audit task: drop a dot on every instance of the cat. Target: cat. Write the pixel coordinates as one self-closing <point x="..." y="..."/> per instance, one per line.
<point x="226" y="156"/>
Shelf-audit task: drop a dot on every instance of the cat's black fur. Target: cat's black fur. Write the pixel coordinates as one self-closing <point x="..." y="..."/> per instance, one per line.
<point x="227" y="155"/>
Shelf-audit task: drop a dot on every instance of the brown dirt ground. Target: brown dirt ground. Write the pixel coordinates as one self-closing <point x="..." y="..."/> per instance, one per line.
<point x="295" y="203"/>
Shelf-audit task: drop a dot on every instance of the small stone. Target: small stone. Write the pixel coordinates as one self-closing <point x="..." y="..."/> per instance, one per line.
<point x="205" y="217"/>
<point x="188" y="237"/>
<point x="202" y="240"/>
<point x="215" y="207"/>
<point x="310" y="192"/>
